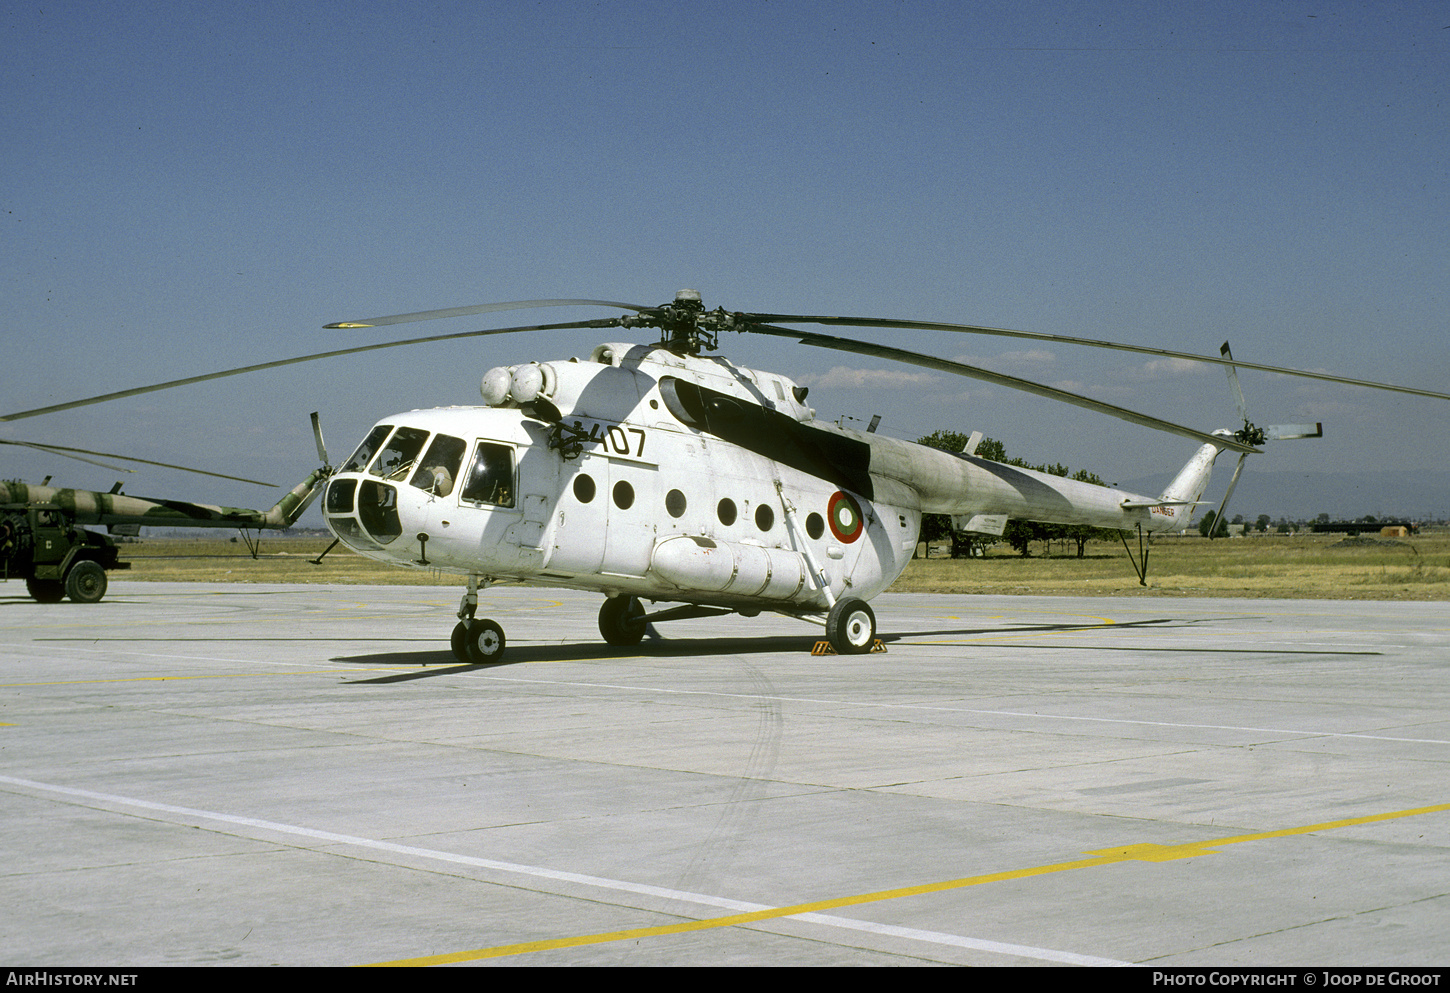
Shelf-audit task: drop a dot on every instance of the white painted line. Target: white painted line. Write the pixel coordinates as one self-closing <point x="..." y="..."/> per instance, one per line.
<point x="934" y="937"/>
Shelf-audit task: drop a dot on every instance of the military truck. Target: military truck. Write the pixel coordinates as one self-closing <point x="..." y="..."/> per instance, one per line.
<point x="40" y="544"/>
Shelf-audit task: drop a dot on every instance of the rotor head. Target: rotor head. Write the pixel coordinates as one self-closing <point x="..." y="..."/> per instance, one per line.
<point x="685" y="326"/>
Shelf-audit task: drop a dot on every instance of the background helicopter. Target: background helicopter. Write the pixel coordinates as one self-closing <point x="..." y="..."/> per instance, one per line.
<point x="44" y="541"/>
<point x="660" y="473"/>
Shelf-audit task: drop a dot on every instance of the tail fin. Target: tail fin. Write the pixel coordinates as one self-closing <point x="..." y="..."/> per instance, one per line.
<point x="1188" y="486"/>
<point x="1186" y="490"/>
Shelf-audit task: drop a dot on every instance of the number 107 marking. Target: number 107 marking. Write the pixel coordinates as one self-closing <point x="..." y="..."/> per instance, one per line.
<point x="616" y="438"/>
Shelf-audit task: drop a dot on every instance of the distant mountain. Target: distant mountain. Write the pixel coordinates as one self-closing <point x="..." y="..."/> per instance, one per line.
<point x="1417" y="496"/>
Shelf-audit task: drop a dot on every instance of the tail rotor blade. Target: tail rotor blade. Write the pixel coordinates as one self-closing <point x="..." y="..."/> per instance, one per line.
<point x="1233" y="381"/>
<point x="1281" y="432"/>
<point x="317" y="437"/>
<point x="1223" y="504"/>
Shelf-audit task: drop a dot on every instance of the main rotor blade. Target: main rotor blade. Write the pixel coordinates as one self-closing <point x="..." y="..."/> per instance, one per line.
<point x="484" y="308"/>
<point x="872" y="322"/>
<point x="1027" y="386"/>
<point x="55" y="450"/>
<point x="608" y="322"/>
<point x="66" y="451"/>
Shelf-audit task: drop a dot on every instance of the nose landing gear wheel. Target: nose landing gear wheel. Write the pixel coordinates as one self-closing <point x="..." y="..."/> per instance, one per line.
<point x="477" y="642"/>
<point x="851" y="626"/>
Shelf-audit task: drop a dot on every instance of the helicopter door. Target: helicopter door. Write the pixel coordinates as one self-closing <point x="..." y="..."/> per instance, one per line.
<point x="538" y="482"/>
<point x="574" y="541"/>
<point x="633" y="506"/>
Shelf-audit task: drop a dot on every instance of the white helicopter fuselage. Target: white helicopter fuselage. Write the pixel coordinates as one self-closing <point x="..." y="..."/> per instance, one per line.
<point x="642" y="472"/>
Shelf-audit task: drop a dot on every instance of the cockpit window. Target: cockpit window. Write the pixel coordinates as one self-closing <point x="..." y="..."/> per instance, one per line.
<point x="365" y="451"/>
<point x="491" y="476"/>
<point x="439" y="469"/>
<point x="400" y="454"/>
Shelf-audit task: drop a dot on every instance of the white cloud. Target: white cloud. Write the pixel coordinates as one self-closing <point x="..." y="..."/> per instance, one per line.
<point x="1029" y="357"/>
<point x="842" y="377"/>
<point x="1159" y="368"/>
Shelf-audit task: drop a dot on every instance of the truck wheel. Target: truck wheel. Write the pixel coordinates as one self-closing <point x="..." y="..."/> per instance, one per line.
<point x="46" y="590"/>
<point x="86" y="582"/>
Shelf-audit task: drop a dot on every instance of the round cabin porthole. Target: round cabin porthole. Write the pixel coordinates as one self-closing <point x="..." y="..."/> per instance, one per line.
<point x="727" y="511"/>
<point x="675" y="503"/>
<point x="584" y="488"/>
<point x="623" y="495"/>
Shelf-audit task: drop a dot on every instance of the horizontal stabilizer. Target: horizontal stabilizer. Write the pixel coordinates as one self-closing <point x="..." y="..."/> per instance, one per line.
<point x="981" y="523"/>
<point x="1140" y="504"/>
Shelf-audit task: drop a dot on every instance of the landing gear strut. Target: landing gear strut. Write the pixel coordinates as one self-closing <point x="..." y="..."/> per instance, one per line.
<point x="476" y="642"/>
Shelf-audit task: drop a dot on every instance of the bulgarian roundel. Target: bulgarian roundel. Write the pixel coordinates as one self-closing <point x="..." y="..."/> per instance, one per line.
<point x="844" y="513"/>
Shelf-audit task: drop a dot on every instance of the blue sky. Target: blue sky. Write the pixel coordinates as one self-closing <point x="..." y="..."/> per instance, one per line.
<point x="190" y="187"/>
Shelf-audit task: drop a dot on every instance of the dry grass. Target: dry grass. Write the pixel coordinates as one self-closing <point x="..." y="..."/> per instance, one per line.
<point x="282" y="559"/>
<point x="1299" y="566"/>
<point x="1307" y="566"/>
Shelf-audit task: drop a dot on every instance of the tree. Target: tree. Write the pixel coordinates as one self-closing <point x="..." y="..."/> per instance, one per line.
<point x="1206" y="526"/>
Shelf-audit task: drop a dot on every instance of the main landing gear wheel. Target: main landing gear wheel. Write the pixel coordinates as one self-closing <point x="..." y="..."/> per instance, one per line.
<point x="621" y="620"/>
<point x="477" y="642"/>
<point x="851" y="626"/>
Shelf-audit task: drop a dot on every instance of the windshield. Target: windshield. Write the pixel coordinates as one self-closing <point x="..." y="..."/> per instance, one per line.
<point x="397" y="457"/>
<point x="365" y="451"/>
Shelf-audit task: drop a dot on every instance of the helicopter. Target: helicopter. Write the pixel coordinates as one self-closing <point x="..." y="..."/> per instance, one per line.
<point x="667" y="474"/>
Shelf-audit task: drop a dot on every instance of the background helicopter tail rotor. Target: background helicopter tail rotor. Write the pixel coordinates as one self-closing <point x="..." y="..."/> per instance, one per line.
<point x="1250" y="434"/>
<point x="321" y="445"/>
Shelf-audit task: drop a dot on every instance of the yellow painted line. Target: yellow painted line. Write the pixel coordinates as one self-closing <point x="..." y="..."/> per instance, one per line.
<point x="1147" y="852"/>
<point x="1331" y="825"/>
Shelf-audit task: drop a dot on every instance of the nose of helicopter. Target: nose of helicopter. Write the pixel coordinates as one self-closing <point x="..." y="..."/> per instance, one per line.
<point x="406" y="485"/>
<point x="391" y="521"/>
<point x="362" y="512"/>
